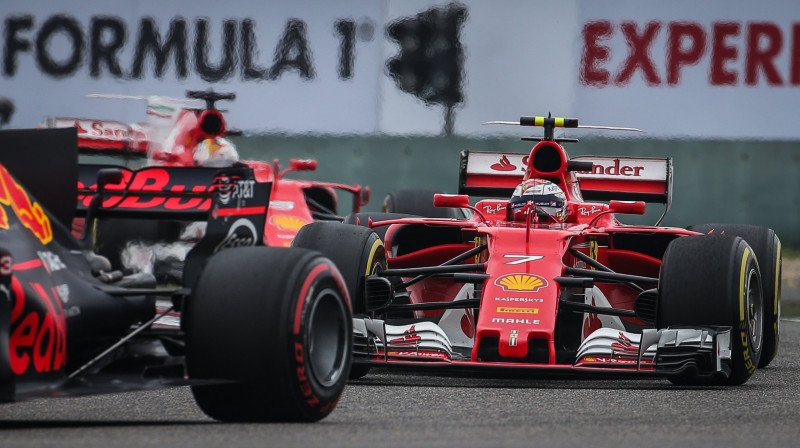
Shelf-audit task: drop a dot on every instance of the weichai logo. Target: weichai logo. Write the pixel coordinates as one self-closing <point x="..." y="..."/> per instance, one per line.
<point x="29" y="212"/>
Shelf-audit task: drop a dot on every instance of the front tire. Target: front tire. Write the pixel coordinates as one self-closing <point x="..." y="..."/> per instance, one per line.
<point x="357" y="252"/>
<point x="767" y="248"/>
<point x="714" y="280"/>
<point x="273" y="326"/>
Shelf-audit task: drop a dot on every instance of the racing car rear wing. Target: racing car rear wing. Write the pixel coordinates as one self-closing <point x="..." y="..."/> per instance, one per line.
<point x="151" y="192"/>
<point x="647" y="179"/>
<point x="104" y="135"/>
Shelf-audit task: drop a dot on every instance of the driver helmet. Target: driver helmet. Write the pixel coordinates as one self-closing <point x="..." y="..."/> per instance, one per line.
<point x="215" y="152"/>
<point x="544" y="195"/>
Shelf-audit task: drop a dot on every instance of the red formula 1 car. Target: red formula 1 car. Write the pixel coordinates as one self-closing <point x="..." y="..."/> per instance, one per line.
<point x="184" y="142"/>
<point x="264" y="333"/>
<point x="548" y="280"/>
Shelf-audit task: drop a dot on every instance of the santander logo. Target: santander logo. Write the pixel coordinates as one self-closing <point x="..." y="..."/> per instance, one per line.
<point x="109" y="130"/>
<point x="615" y="168"/>
<point x="630" y="168"/>
<point x="510" y="165"/>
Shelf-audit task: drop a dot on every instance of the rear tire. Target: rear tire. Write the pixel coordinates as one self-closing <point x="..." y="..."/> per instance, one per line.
<point x="415" y="202"/>
<point x="767" y="248"/>
<point x="274" y="325"/>
<point x="714" y="281"/>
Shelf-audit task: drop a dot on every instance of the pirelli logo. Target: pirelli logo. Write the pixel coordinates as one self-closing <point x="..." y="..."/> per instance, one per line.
<point x="505" y="309"/>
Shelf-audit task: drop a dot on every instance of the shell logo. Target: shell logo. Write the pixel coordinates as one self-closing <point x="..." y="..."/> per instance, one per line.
<point x="286" y="222"/>
<point x="520" y="282"/>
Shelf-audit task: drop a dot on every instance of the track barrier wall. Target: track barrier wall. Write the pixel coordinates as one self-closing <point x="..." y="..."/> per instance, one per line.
<point x="753" y="182"/>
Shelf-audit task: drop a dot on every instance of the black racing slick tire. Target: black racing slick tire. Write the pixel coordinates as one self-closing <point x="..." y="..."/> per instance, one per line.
<point x="271" y="332"/>
<point x="415" y="202"/>
<point x="357" y="252"/>
<point x="767" y="247"/>
<point x="714" y="280"/>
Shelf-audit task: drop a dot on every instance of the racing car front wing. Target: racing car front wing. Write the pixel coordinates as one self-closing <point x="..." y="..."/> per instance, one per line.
<point x="663" y="352"/>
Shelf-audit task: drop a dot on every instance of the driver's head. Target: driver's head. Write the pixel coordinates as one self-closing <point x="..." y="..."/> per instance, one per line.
<point x="543" y="194"/>
<point x="215" y="152"/>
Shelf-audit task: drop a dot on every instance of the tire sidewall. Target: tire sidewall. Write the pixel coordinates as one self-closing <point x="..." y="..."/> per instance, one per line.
<point x="248" y="322"/>
<point x="745" y="353"/>
<point x="315" y="399"/>
<point x="357" y="251"/>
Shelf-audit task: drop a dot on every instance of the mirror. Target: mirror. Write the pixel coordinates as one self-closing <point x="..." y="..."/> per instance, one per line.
<point x="450" y="200"/>
<point x="626" y="207"/>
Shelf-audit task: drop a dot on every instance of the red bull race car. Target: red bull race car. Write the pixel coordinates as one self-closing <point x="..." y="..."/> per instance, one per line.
<point x="548" y="280"/>
<point x="261" y="334"/>
<point x="184" y="141"/>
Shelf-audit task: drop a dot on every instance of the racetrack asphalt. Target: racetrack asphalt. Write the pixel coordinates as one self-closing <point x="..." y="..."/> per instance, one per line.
<point x="388" y="409"/>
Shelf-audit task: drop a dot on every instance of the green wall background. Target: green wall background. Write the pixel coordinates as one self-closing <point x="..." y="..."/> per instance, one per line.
<point x="754" y="182"/>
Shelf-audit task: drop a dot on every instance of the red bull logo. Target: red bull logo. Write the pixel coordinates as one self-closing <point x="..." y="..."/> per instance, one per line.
<point x="29" y="213"/>
<point x="38" y="338"/>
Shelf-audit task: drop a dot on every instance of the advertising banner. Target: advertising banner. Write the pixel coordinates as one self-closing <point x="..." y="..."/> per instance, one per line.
<point x="716" y="69"/>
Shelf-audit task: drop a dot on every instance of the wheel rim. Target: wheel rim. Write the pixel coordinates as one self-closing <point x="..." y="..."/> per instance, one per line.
<point x="755" y="308"/>
<point x="327" y="338"/>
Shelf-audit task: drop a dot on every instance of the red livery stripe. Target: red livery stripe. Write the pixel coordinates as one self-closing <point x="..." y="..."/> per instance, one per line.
<point x="25" y="265"/>
<point x="241" y="211"/>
